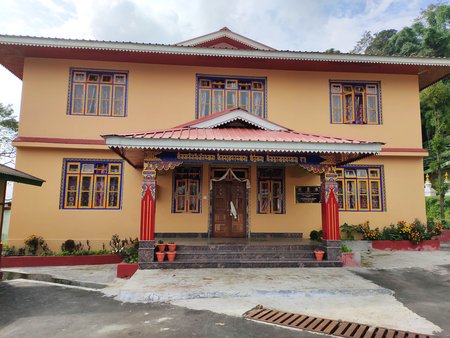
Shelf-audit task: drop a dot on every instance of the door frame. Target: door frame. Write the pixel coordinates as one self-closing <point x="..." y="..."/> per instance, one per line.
<point x="247" y="198"/>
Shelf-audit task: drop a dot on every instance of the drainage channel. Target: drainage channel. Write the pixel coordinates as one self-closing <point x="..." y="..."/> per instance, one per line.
<point x="326" y="326"/>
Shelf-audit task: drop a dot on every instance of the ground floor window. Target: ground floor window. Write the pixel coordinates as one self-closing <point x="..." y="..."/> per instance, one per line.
<point x="270" y="191"/>
<point x="187" y="190"/>
<point x="360" y="188"/>
<point x="91" y="184"/>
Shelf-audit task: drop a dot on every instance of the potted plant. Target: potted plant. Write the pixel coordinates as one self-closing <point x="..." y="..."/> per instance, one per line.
<point x="171" y="255"/>
<point x="160" y="256"/>
<point x="348" y="257"/>
<point x="161" y="245"/>
<point x="172" y="246"/>
<point x="319" y="254"/>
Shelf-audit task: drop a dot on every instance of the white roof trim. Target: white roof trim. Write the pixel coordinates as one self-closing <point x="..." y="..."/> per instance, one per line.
<point x="237" y="53"/>
<point x="238" y="115"/>
<point x="224" y="33"/>
<point x="208" y="145"/>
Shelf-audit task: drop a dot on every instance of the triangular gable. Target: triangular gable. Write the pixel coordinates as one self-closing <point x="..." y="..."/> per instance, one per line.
<point x="229" y="117"/>
<point x="224" y="38"/>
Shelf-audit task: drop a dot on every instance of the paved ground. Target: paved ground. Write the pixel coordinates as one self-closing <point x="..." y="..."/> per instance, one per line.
<point x="33" y="309"/>
<point x="403" y="290"/>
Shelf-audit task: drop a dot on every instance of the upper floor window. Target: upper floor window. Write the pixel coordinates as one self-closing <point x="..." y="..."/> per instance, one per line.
<point x="355" y="103"/>
<point x="219" y="93"/>
<point x="270" y="190"/>
<point x="97" y="93"/>
<point x="360" y="188"/>
<point x="91" y="184"/>
<point x="186" y="190"/>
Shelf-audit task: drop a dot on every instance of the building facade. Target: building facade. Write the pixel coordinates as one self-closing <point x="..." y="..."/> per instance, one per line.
<point x="218" y="136"/>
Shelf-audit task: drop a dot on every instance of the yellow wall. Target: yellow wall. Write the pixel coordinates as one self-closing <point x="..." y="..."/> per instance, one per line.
<point x="299" y="100"/>
<point x="164" y="96"/>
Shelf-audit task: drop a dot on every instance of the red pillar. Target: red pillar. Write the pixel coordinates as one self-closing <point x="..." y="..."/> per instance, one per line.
<point x="330" y="208"/>
<point x="148" y="203"/>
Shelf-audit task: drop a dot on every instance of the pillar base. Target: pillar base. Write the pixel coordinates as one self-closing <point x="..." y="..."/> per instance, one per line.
<point x="146" y="253"/>
<point x="333" y="249"/>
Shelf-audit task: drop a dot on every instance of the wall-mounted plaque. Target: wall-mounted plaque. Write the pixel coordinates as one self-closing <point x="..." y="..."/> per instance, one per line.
<point x="309" y="194"/>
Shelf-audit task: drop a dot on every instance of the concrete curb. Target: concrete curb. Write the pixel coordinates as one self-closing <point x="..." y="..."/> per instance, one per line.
<point x="10" y="275"/>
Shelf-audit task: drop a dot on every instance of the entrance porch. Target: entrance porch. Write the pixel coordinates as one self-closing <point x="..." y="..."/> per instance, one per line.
<point x="267" y="252"/>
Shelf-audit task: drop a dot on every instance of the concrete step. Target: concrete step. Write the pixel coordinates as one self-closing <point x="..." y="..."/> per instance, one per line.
<point x="198" y="264"/>
<point x="245" y="255"/>
<point x="245" y="248"/>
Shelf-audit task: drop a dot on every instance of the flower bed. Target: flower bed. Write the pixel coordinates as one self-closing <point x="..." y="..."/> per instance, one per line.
<point x="30" y="261"/>
<point x="427" y="245"/>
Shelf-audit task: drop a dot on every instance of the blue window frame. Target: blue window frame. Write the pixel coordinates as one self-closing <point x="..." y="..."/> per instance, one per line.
<point x="187" y="190"/>
<point x="360" y="188"/>
<point x="98" y="93"/>
<point x="355" y="102"/>
<point x="218" y="93"/>
<point x="91" y="184"/>
<point x="271" y="196"/>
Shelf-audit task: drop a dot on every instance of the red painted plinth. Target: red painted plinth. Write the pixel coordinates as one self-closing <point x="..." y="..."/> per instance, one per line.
<point x="126" y="270"/>
<point x="348" y="259"/>
<point x="28" y="261"/>
<point x="445" y="236"/>
<point x="429" y="245"/>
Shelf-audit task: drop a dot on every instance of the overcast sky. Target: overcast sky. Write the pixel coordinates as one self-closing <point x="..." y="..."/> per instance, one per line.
<point x="305" y="25"/>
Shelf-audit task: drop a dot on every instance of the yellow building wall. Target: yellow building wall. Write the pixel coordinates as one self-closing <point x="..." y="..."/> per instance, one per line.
<point x="164" y="96"/>
<point x="161" y="96"/>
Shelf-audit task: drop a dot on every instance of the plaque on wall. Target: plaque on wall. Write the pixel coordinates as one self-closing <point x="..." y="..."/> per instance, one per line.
<point x="309" y="194"/>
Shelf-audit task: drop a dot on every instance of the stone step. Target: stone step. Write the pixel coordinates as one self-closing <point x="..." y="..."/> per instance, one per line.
<point x="245" y="248"/>
<point x="250" y="256"/>
<point x="240" y="264"/>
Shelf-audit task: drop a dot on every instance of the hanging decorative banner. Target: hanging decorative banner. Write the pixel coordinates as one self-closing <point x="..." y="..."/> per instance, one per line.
<point x="240" y="158"/>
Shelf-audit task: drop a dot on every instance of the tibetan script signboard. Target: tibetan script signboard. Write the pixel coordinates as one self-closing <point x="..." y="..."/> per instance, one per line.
<point x="309" y="194"/>
<point x="241" y="158"/>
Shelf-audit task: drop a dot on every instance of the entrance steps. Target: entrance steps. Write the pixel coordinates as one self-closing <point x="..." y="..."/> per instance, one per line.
<point x="245" y="255"/>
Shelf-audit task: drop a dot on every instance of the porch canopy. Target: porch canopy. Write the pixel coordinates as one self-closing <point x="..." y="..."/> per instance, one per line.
<point x="238" y="137"/>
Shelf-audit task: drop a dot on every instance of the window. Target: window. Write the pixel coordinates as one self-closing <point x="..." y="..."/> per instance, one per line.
<point x="97" y="93"/>
<point x="360" y="188"/>
<point x="355" y="103"/>
<point x="270" y="190"/>
<point x="91" y="184"/>
<point x="187" y="190"/>
<point x="220" y="93"/>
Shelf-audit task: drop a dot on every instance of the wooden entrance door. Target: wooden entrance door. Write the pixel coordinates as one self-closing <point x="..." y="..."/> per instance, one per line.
<point x="229" y="209"/>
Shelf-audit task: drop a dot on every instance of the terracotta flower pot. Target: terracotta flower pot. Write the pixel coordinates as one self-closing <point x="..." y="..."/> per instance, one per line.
<point x="160" y="256"/>
<point x="161" y="247"/>
<point x="171" y="256"/>
<point x="319" y="254"/>
<point x="172" y="246"/>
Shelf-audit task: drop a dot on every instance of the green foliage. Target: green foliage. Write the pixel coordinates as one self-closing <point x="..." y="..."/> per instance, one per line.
<point x="348" y="230"/>
<point x="130" y="253"/>
<point x="315" y="235"/>
<point x="345" y="248"/>
<point x="433" y="210"/>
<point x="414" y="232"/>
<point x="160" y="241"/>
<point x="33" y="243"/>
<point x="8" y="131"/>
<point x="9" y="251"/>
<point x="69" y="245"/>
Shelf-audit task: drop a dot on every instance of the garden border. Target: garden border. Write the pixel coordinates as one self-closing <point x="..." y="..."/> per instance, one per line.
<point x="32" y="261"/>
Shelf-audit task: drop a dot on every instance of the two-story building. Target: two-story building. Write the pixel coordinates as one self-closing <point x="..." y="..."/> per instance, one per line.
<point x="218" y="136"/>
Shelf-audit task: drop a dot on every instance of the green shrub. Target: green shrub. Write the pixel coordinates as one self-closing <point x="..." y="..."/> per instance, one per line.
<point x="345" y="248"/>
<point x="315" y="235"/>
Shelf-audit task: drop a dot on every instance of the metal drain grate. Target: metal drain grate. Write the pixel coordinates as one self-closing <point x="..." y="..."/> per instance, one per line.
<point x="326" y="326"/>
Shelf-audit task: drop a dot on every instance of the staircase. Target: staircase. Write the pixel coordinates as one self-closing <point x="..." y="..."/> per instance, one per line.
<point x="244" y="255"/>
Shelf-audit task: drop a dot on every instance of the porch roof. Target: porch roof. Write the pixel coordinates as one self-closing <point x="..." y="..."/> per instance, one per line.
<point x="236" y="130"/>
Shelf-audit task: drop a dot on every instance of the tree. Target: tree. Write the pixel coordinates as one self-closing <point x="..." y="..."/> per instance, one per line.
<point x="332" y="51"/>
<point x="8" y="131"/>
<point x="435" y="101"/>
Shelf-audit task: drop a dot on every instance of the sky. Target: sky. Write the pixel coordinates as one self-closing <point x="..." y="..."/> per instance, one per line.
<point x="303" y="25"/>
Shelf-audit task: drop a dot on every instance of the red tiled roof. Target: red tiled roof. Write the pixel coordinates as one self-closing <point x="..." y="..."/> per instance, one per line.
<point x="238" y="134"/>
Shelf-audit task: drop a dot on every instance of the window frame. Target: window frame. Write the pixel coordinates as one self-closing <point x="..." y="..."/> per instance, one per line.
<point x="226" y="84"/>
<point x="341" y="90"/>
<point x="118" y="79"/>
<point x="265" y="176"/>
<point x="187" y="171"/>
<point x="87" y="168"/>
<point x="344" y="176"/>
